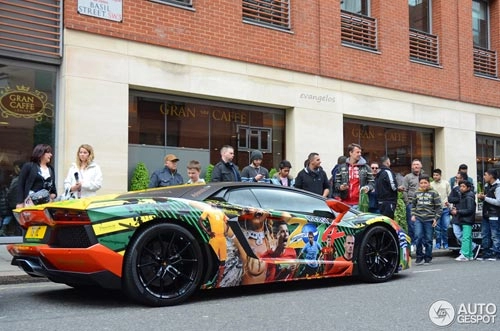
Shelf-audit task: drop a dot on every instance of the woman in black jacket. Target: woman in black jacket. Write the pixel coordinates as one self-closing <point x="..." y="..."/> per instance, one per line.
<point x="37" y="175"/>
<point x="465" y="212"/>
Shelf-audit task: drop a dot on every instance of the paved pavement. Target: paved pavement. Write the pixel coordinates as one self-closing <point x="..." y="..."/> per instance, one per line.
<point x="10" y="274"/>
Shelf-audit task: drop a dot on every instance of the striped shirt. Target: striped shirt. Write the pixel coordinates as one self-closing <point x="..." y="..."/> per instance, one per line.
<point x="426" y="205"/>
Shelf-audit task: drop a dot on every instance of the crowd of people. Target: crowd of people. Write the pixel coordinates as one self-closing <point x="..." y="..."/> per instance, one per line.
<point x="34" y="182"/>
<point x="430" y="204"/>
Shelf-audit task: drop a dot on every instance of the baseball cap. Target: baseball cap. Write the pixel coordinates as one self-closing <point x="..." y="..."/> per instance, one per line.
<point x="171" y="158"/>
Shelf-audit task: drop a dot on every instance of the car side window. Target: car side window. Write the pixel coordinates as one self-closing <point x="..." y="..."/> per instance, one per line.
<point x="243" y="197"/>
<point x="279" y="199"/>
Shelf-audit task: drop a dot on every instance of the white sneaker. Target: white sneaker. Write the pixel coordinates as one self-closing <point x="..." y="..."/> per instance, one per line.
<point x="462" y="258"/>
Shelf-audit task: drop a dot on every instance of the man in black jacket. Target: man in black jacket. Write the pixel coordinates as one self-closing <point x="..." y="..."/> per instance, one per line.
<point x="313" y="178"/>
<point x="386" y="188"/>
<point x="225" y="170"/>
<point x="490" y="225"/>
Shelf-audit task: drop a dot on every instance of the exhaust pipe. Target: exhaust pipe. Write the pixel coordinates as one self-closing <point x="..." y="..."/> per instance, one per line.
<point x="31" y="268"/>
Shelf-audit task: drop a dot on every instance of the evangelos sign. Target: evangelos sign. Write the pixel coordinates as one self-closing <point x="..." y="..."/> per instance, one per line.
<point x="24" y="103"/>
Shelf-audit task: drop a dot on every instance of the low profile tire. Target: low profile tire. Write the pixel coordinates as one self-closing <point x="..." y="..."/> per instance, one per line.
<point x="163" y="266"/>
<point x="378" y="257"/>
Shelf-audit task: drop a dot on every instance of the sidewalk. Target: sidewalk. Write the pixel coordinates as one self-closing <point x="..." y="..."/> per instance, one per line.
<point x="10" y="274"/>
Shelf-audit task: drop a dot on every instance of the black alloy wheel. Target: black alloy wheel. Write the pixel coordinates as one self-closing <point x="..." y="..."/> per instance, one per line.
<point x="378" y="255"/>
<point x="163" y="266"/>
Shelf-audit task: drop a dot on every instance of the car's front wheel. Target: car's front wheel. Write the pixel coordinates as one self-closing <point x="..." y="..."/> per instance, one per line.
<point x="378" y="255"/>
<point x="163" y="265"/>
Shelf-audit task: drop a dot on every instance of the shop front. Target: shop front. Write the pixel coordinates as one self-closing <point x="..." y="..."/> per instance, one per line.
<point x="402" y="144"/>
<point x="27" y="108"/>
<point x="196" y="129"/>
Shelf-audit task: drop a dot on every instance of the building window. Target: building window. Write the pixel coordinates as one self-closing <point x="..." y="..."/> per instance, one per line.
<point x="420" y="15"/>
<point x="358" y="29"/>
<point x="181" y="3"/>
<point x="488" y="155"/>
<point x="360" y="7"/>
<point x="272" y="13"/>
<point x="400" y="143"/>
<point x="197" y="129"/>
<point x="424" y="46"/>
<point x="27" y="112"/>
<point x="485" y="59"/>
<point x="32" y="30"/>
<point x="251" y="138"/>
<point x="480" y="24"/>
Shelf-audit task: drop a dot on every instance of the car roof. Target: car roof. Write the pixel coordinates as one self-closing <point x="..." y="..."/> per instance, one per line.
<point x="201" y="192"/>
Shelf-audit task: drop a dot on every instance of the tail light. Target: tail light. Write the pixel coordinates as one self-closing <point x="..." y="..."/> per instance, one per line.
<point x="69" y="215"/>
<point x="51" y="216"/>
<point x="26" y="217"/>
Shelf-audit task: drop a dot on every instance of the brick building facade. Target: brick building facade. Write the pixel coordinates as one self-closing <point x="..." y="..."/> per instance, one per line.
<point x="293" y="57"/>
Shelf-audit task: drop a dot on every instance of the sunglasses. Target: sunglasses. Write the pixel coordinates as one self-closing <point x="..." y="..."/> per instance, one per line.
<point x="374" y="168"/>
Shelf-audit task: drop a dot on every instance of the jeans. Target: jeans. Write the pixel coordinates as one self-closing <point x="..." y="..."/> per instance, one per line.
<point x="457" y="231"/>
<point x="6" y="220"/>
<point x="423" y="237"/>
<point x="490" y="230"/>
<point x="411" y="224"/>
<point x="442" y="228"/>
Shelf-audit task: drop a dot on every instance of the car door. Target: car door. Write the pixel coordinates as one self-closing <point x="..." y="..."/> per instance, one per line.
<point x="288" y="239"/>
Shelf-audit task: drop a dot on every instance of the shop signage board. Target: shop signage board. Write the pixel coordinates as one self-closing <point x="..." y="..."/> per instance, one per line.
<point x="23" y="102"/>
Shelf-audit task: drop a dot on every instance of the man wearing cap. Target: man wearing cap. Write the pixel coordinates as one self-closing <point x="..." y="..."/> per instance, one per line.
<point x="167" y="176"/>
<point x="462" y="168"/>
<point x="255" y="172"/>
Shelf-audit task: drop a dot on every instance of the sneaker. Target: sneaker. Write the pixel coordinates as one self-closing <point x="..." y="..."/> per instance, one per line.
<point x="438" y="246"/>
<point x="419" y="261"/>
<point x="427" y="262"/>
<point x="475" y="251"/>
<point x="445" y="246"/>
<point x="492" y="258"/>
<point x="462" y="258"/>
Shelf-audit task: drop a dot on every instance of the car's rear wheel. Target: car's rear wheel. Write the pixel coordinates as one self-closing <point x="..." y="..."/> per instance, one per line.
<point x="163" y="266"/>
<point x="378" y="255"/>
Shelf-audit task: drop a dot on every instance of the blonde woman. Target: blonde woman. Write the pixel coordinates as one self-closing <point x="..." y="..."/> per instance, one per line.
<point x="84" y="177"/>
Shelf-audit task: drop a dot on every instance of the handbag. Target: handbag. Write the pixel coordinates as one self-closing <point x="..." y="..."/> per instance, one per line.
<point x="68" y="195"/>
<point x="37" y="198"/>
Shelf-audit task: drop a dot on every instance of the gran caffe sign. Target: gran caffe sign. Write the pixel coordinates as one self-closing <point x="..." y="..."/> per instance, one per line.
<point x="23" y="102"/>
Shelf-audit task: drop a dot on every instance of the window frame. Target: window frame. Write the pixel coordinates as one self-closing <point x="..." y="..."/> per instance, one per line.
<point x="487" y="31"/>
<point x="399" y="143"/>
<point x="428" y="16"/>
<point x="184" y="4"/>
<point x="365" y="12"/>
<point x="249" y="7"/>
